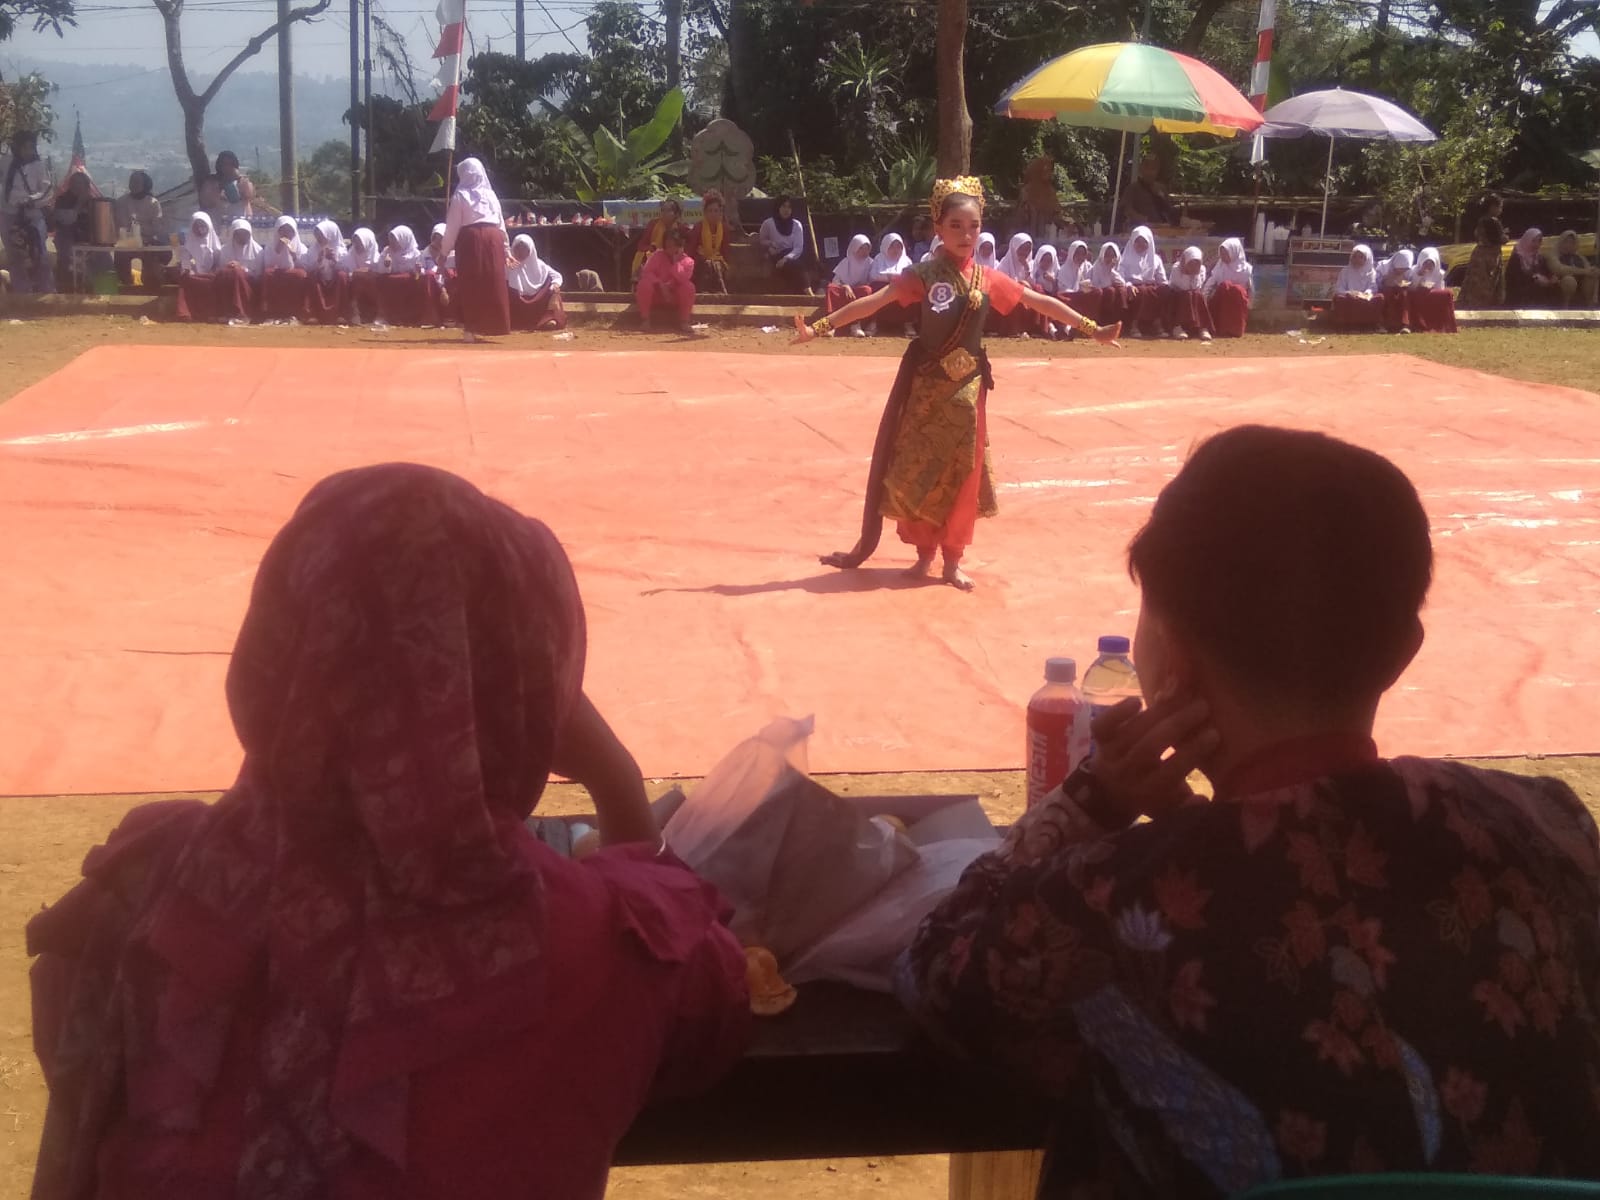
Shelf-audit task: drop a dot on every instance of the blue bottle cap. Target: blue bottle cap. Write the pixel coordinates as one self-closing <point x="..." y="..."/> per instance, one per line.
<point x="1114" y="645"/>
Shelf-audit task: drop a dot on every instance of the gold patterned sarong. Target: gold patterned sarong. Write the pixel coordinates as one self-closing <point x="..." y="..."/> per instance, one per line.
<point x="936" y="450"/>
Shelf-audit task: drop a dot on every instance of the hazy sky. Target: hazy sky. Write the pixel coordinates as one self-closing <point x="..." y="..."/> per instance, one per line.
<point x="129" y="32"/>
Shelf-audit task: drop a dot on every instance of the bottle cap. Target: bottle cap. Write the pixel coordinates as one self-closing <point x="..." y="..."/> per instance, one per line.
<point x="1114" y="645"/>
<point x="1060" y="670"/>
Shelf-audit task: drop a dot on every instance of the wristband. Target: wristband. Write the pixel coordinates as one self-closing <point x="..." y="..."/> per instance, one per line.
<point x="822" y="328"/>
<point x="1089" y="327"/>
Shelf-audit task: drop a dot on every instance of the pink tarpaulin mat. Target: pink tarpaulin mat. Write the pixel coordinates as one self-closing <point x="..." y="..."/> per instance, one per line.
<point x="139" y="487"/>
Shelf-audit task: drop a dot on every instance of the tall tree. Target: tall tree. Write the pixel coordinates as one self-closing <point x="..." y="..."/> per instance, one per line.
<point x="955" y="122"/>
<point x="194" y="102"/>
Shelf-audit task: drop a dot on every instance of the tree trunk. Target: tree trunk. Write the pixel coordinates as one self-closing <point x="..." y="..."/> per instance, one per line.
<point x="1380" y="36"/>
<point x="673" y="12"/>
<point x="194" y="141"/>
<point x="955" y="124"/>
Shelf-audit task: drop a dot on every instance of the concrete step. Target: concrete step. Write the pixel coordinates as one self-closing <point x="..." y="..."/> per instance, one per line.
<point x="1530" y="318"/>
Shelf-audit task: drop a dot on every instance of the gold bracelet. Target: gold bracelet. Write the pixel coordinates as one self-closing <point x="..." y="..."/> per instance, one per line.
<point x="822" y="328"/>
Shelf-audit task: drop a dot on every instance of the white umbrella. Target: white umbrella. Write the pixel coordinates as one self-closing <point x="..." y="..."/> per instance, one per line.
<point x="1336" y="114"/>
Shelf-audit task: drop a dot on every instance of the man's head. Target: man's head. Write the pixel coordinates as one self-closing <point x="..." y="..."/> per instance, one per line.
<point x="1285" y="570"/>
<point x="1149" y="168"/>
<point x="228" y="164"/>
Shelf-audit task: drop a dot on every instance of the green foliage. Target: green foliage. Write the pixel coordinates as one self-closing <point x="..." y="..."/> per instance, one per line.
<point x="1437" y="181"/>
<point x="399" y="136"/>
<point x="631" y="163"/>
<point x="912" y="169"/>
<point x="41" y="14"/>
<point x="325" y="179"/>
<point x="509" y="120"/>
<point x="25" y="104"/>
<point x="824" y="185"/>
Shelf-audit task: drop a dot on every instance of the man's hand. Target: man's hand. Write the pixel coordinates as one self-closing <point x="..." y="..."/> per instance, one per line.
<point x="1143" y="756"/>
<point x="589" y="753"/>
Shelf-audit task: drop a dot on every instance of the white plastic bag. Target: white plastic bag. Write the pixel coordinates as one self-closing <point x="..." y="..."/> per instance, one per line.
<point x="792" y="858"/>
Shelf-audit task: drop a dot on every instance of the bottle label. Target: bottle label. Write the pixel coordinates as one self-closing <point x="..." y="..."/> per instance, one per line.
<point x="1056" y="744"/>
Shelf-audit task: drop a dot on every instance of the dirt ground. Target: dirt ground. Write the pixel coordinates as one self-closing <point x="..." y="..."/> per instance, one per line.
<point x="43" y="839"/>
<point x="31" y="348"/>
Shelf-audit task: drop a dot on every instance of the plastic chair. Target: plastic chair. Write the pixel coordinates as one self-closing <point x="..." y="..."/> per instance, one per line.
<point x="1424" y="1186"/>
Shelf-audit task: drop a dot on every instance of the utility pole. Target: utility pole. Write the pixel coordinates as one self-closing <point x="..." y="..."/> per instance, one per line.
<point x="355" y="108"/>
<point x="286" y="148"/>
<point x="522" y="33"/>
<point x="673" y="9"/>
<point x="366" y="70"/>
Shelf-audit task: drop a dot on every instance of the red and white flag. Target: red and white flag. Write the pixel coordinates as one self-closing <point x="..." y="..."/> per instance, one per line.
<point x="452" y="33"/>
<point x="1262" y="75"/>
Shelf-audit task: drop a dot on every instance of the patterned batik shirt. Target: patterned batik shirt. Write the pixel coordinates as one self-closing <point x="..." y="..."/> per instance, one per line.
<point x="1387" y="966"/>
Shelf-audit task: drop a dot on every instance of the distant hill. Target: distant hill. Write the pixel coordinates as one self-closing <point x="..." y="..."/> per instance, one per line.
<point x="131" y="118"/>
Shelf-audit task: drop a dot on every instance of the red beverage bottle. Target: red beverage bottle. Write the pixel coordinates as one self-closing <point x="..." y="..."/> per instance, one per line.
<point x="1058" y="729"/>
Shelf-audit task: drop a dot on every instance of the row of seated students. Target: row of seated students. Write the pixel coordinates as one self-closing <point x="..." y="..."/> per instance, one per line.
<point x="323" y="280"/>
<point x="1404" y="292"/>
<point x="1131" y="285"/>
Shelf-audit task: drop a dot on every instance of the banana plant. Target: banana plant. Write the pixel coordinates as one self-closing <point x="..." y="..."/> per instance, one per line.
<point x="634" y="163"/>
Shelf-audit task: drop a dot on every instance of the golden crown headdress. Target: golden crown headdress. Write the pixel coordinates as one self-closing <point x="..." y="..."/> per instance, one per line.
<point x="964" y="185"/>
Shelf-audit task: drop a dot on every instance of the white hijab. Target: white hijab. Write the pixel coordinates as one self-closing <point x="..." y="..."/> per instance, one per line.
<point x="1145" y="266"/>
<point x="1357" y="279"/>
<point x="1073" y="277"/>
<point x="1423" y="276"/>
<point x="475" y="193"/>
<point x="200" y="255"/>
<point x="1181" y="279"/>
<point x="1103" y="274"/>
<point x="532" y="276"/>
<point x="249" y="255"/>
<point x="1396" y="269"/>
<point x="429" y="262"/>
<point x="407" y="258"/>
<point x="985" y="252"/>
<point x="1013" y="264"/>
<point x="281" y="255"/>
<point x="364" y="253"/>
<point x="1046" y="270"/>
<point x="313" y="261"/>
<point x="1232" y="267"/>
<point x="852" y="271"/>
<point x="933" y="248"/>
<point x="887" y="264"/>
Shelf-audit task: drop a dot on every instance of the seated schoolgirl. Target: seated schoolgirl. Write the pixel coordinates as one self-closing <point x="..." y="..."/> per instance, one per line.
<point x="238" y="283"/>
<point x="852" y="278"/>
<point x="1229" y="289"/>
<point x="1147" y="278"/>
<point x="1188" y="315"/>
<point x="535" y="290"/>
<point x="1433" y="304"/>
<point x="1357" y="302"/>
<point x="199" y="256"/>
<point x="283" y="279"/>
<point x="327" y="266"/>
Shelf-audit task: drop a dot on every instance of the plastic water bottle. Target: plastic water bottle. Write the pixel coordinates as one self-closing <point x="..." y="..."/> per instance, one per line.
<point x="1111" y="678"/>
<point x="1058" y="729"/>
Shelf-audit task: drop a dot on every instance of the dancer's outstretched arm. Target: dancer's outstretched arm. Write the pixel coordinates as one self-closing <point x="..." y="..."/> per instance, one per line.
<point x="856" y="310"/>
<point x="1050" y="307"/>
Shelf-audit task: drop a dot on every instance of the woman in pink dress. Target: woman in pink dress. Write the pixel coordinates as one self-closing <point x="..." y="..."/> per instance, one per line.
<point x="668" y="278"/>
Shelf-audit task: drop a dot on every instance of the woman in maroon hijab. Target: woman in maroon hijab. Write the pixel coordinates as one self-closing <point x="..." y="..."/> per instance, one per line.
<point x="357" y="974"/>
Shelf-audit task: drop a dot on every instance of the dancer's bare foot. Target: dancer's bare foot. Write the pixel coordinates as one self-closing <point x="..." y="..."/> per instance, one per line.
<point x="839" y="558"/>
<point x="922" y="568"/>
<point x="957" y="578"/>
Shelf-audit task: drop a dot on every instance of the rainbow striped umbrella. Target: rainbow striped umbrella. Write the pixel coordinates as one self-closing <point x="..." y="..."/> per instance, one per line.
<point x="1132" y="87"/>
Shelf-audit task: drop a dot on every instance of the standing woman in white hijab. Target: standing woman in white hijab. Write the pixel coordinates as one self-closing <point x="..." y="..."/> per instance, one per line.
<point x="402" y="290"/>
<point x="1113" y="298"/>
<point x="1229" y="289"/>
<point x="1147" y="277"/>
<point x="1394" y="285"/>
<point x="889" y="264"/>
<point x="1357" y="303"/>
<point x="476" y="231"/>
<point x="1433" y="305"/>
<point x="852" y="278"/>
<point x="1017" y="263"/>
<point x="534" y="290"/>
<point x="1188" y="315"/>
<point x="199" y="257"/>
<point x="363" y="267"/>
<point x="238" y="283"/>
<point x="327" y="266"/>
<point x="283" y="279"/>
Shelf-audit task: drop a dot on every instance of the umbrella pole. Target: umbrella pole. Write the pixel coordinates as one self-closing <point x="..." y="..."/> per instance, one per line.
<point x="1327" y="187"/>
<point x="1116" y="193"/>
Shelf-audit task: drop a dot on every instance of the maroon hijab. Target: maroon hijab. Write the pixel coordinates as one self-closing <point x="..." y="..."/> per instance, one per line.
<point x="410" y="651"/>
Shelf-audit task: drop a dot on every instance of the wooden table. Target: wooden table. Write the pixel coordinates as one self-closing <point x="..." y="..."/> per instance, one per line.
<point x="845" y="1074"/>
